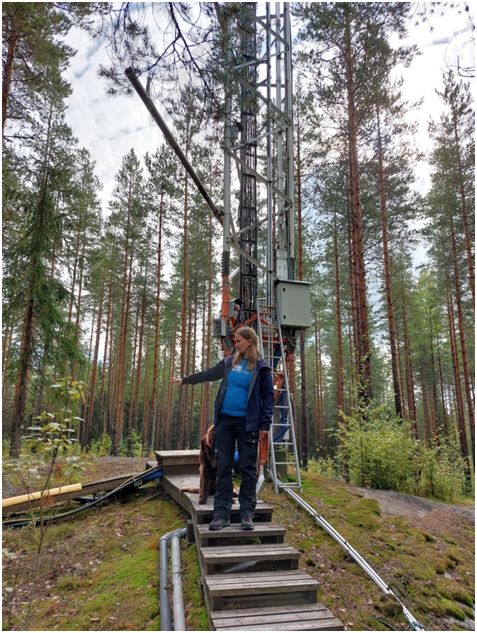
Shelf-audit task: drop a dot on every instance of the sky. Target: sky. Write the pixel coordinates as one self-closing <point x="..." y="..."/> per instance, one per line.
<point x="110" y="126"/>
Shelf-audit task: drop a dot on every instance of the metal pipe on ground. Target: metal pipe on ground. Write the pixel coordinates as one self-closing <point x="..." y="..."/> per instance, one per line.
<point x="355" y="555"/>
<point x="177" y="596"/>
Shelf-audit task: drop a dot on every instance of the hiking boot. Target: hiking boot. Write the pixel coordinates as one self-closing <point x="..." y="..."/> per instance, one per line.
<point x="247" y="523"/>
<point x="218" y="523"/>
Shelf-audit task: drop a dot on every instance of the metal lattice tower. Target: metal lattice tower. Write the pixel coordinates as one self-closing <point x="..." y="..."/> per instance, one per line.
<point x="261" y="146"/>
<point x="248" y="155"/>
<point x="259" y="141"/>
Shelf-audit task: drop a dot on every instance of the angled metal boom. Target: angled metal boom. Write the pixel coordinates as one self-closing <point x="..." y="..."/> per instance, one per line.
<point x="131" y="75"/>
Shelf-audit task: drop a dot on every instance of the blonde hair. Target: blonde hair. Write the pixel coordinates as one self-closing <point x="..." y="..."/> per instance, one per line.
<point x="252" y="354"/>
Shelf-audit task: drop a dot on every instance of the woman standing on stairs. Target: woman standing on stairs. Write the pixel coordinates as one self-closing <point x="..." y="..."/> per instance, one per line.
<point x="243" y="410"/>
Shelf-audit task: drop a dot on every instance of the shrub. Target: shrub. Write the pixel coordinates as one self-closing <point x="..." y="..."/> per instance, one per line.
<point x="132" y="445"/>
<point x="324" y="467"/>
<point x="380" y="452"/>
<point x="101" y="446"/>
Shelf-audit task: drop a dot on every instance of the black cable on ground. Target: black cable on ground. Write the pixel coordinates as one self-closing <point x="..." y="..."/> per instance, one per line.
<point x="383" y="621"/>
<point x="136" y="481"/>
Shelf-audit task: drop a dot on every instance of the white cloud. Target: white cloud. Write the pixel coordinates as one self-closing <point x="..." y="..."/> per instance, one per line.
<point x="449" y="43"/>
<point x="109" y="126"/>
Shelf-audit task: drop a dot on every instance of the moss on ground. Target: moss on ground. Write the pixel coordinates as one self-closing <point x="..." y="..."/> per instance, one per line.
<point x="100" y="570"/>
<point x="430" y="569"/>
<point x="197" y="618"/>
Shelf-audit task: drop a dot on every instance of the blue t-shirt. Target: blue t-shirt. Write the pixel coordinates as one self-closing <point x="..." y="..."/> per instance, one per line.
<point x="236" y="394"/>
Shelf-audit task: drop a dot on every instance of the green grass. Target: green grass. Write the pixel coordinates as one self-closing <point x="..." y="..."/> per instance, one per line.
<point x="424" y="568"/>
<point x="100" y="570"/>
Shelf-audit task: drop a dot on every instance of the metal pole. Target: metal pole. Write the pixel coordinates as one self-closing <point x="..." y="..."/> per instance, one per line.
<point x="131" y="75"/>
<point x="227" y="175"/>
<point x="248" y="157"/>
<point x="178" y="601"/>
<point x="177" y="596"/>
<point x="282" y="228"/>
<point x="269" y="166"/>
<point x="289" y="138"/>
<point x="165" y="613"/>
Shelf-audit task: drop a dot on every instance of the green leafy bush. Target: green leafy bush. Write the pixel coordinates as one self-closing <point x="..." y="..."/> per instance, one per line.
<point x="324" y="467"/>
<point x="380" y="452"/>
<point x="132" y="445"/>
<point x="101" y="446"/>
<point x="54" y="427"/>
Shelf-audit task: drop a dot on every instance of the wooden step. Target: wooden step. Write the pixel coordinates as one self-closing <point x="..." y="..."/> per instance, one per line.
<point x="263" y="532"/>
<point x="303" y="617"/>
<point x="178" y="462"/>
<point x="177" y="458"/>
<point x="204" y="512"/>
<point x="267" y="556"/>
<point x="246" y="590"/>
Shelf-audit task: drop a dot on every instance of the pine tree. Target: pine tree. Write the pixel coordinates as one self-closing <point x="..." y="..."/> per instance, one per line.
<point x="40" y="296"/>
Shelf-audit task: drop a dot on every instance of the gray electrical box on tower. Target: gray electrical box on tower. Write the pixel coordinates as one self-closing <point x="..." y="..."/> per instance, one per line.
<point x="294" y="303"/>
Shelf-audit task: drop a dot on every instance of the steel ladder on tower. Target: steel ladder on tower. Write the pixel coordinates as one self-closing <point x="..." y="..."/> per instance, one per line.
<point x="283" y="446"/>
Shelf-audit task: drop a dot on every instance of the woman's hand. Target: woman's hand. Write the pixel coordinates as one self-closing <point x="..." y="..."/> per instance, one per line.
<point x="175" y="380"/>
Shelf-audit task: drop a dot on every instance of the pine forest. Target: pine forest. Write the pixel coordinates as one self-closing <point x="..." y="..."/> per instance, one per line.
<point x="110" y="298"/>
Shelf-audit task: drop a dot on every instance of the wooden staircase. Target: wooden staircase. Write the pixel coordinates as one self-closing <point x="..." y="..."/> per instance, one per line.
<point x="250" y="579"/>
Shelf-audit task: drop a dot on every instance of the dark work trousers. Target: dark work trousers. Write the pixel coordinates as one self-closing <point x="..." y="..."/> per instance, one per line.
<point x="226" y="432"/>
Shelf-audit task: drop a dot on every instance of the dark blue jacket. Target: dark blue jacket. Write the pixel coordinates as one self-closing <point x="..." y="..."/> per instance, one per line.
<point x="260" y="402"/>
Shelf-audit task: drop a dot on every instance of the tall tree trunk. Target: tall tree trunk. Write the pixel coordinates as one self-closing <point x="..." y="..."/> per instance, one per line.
<point x="457" y="381"/>
<point x="463" y="344"/>
<point x="185" y="302"/>
<point x="433" y="394"/>
<point x="204" y="400"/>
<point x="193" y="331"/>
<point x="340" y="397"/>
<point x="21" y="387"/>
<point x="121" y="356"/>
<point x="357" y="232"/>
<point x="320" y="420"/>
<point x="135" y="419"/>
<point x="426" y="413"/>
<point x="442" y="395"/>
<point x="112" y="372"/>
<point x="168" y="416"/>
<point x="26" y="341"/>
<point x="108" y="327"/>
<point x="160" y="415"/>
<point x="92" y="387"/>
<point x="74" y="368"/>
<point x="405" y="412"/>
<point x="90" y="345"/>
<point x="411" y="400"/>
<point x="6" y="383"/>
<point x="463" y="207"/>
<point x="12" y="38"/>
<point x="75" y="272"/>
<point x="132" y="386"/>
<point x="387" y="273"/>
<point x="157" y="321"/>
<point x="207" y="357"/>
<point x="353" y="321"/>
<point x="146" y="430"/>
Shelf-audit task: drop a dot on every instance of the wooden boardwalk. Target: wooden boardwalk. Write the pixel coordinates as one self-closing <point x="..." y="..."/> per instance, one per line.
<point x="250" y="580"/>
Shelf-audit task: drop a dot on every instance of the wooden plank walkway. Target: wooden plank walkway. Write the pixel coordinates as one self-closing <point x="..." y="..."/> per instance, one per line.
<point x="250" y="579"/>
<point x="93" y="488"/>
